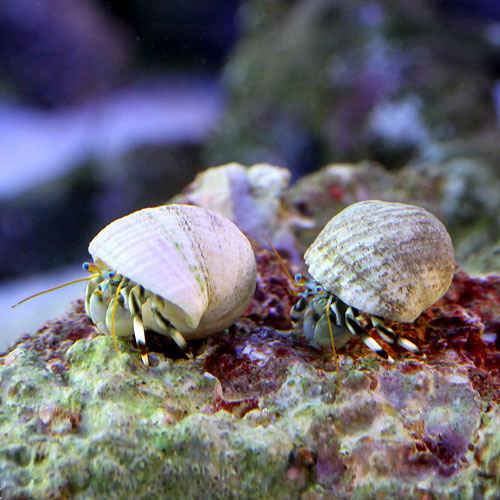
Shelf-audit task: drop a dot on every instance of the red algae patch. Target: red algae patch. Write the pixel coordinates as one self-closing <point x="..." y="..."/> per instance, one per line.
<point x="465" y="326"/>
<point x="253" y="360"/>
<point x="272" y="299"/>
<point x="461" y="329"/>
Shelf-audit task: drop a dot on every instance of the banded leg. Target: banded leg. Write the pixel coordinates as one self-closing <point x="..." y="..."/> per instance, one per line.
<point x="167" y="328"/>
<point x="298" y="309"/>
<point x="334" y="308"/>
<point x="391" y="337"/>
<point x="356" y="328"/>
<point x="135" y="299"/>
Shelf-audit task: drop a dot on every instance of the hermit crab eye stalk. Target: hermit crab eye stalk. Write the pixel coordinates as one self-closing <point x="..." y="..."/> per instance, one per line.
<point x="91" y="268"/>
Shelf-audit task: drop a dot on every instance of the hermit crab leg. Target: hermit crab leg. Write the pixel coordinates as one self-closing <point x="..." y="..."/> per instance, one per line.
<point x="97" y="309"/>
<point x="298" y="309"/>
<point x="356" y="328"/>
<point x="334" y="308"/>
<point x="329" y="311"/>
<point x="92" y="287"/>
<point x="165" y="325"/>
<point x="113" y="313"/>
<point x="135" y="298"/>
<point x="391" y="337"/>
<point x="140" y="339"/>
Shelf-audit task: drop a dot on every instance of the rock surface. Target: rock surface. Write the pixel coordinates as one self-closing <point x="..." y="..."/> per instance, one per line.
<point x="254" y="198"/>
<point x="256" y="412"/>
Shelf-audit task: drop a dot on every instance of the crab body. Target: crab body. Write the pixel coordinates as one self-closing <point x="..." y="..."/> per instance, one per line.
<point x="182" y="271"/>
<point x="389" y="260"/>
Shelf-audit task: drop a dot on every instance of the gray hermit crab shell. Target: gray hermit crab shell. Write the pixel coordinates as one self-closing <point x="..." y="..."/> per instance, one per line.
<point x="388" y="259"/>
<point x="197" y="261"/>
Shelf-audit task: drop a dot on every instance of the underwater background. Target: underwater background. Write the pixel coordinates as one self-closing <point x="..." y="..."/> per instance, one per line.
<point x="277" y="114"/>
<point x="106" y="107"/>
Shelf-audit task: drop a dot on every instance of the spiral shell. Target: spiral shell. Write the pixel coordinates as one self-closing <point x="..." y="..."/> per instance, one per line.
<point x="197" y="261"/>
<point x="388" y="259"/>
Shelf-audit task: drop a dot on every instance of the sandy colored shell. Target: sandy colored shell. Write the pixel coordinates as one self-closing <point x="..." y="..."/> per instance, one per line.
<point x="389" y="259"/>
<point x="199" y="262"/>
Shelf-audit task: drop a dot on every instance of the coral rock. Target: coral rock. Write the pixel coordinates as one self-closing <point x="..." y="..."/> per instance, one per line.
<point x="256" y="412"/>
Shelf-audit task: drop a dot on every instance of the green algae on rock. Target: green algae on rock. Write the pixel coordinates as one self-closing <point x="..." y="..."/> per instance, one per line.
<point x="255" y="413"/>
<point x="115" y="429"/>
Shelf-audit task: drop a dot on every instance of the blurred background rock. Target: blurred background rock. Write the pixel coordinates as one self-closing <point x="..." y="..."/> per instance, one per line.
<point x="108" y="106"/>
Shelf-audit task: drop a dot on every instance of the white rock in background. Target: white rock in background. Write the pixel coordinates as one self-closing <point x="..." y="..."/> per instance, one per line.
<point x="253" y="198"/>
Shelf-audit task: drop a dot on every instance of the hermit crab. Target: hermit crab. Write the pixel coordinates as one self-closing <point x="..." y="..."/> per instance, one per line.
<point x="389" y="260"/>
<point x="180" y="270"/>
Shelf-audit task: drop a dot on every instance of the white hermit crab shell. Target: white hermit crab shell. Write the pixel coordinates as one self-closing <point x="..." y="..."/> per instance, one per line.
<point x="197" y="261"/>
<point x="388" y="259"/>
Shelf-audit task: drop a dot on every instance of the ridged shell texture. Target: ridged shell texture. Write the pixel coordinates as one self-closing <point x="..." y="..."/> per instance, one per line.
<point x="389" y="259"/>
<point x="199" y="262"/>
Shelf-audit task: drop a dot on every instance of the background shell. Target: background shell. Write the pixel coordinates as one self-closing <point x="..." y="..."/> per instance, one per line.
<point x="254" y="199"/>
<point x="199" y="262"/>
<point x="389" y="259"/>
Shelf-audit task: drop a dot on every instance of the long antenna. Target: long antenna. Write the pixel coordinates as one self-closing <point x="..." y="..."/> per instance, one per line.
<point x="72" y="282"/>
<point x="291" y="280"/>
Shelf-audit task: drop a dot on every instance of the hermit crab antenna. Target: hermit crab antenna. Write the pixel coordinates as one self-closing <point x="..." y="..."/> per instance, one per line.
<point x="283" y="266"/>
<point x="72" y="282"/>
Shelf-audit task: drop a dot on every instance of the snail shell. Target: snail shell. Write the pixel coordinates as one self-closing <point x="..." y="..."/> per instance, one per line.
<point x="388" y="259"/>
<point x="197" y="261"/>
